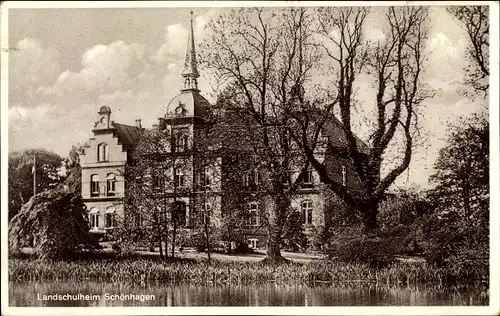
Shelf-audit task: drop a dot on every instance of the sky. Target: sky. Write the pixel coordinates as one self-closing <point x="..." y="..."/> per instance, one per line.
<point x="64" y="64"/>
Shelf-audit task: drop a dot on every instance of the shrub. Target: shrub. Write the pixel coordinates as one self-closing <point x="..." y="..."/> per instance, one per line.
<point x="241" y="248"/>
<point x="56" y="220"/>
<point x="446" y="243"/>
<point x="294" y="237"/>
<point x="318" y="238"/>
<point x="353" y="246"/>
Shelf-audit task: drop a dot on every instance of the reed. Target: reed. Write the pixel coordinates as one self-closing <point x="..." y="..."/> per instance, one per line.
<point x="223" y="272"/>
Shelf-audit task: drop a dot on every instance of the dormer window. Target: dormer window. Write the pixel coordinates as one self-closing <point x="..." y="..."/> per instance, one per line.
<point x="308" y="177"/>
<point x="103" y="152"/>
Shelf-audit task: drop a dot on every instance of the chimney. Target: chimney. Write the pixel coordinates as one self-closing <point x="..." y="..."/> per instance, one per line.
<point x="138" y="123"/>
<point x="161" y="123"/>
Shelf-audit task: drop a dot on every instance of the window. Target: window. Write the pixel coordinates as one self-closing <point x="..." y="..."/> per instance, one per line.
<point x="94" y="185"/>
<point x="307" y="212"/>
<point x="205" y="176"/>
<point x="246" y="180"/>
<point x="111" y="184"/>
<point x="308" y="179"/>
<point x="256" y="177"/>
<point x="179" y="178"/>
<point x="253" y="214"/>
<point x="205" y="213"/>
<point x="138" y="220"/>
<point x="110" y="217"/>
<point x="344" y="176"/>
<point x="252" y="243"/>
<point x="158" y="182"/>
<point x="103" y="152"/>
<point x="94" y="218"/>
<point x="180" y="141"/>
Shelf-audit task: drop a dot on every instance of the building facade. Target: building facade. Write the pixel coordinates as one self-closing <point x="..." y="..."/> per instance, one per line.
<point x="200" y="181"/>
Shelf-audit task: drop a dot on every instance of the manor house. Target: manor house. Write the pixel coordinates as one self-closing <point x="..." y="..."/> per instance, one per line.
<point x="105" y="155"/>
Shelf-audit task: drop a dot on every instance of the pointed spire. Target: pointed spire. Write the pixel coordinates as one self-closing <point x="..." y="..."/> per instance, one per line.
<point x="190" y="72"/>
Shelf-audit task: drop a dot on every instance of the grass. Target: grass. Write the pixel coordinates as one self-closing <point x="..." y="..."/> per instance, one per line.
<point x="149" y="269"/>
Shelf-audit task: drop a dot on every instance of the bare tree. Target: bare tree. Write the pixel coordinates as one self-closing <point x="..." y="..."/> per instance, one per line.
<point x="475" y="21"/>
<point x="151" y="213"/>
<point x="396" y="64"/>
<point x="254" y="55"/>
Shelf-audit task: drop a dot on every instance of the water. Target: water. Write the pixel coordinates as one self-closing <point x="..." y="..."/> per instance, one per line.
<point x="31" y="294"/>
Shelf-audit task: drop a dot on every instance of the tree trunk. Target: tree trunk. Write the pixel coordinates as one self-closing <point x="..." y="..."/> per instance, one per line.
<point x="207" y="240"/>
<point x="161" y="249"/>
<point x="276" y="220"/>
<point x="370" y="212"/>
<point x="275" y="230"/>
<point x="273" y="251"/>
<point x="173" y="239"/>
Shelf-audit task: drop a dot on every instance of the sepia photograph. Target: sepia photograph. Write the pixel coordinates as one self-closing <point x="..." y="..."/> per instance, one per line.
<point x="282" y="157"/>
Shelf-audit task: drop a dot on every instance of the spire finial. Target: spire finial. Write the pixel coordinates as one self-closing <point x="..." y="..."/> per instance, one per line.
<point x="190" y="72"/>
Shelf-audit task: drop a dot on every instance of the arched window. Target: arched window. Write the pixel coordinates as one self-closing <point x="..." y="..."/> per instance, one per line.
<point x="103" y="152"/>
<point x="307" y="210"/>
<point x="94" y="218"/>
<point x="111" y="184"/>
<point x="110" y="217"/>
<point x="94" y="185"/>
<point x="253" y="214"/>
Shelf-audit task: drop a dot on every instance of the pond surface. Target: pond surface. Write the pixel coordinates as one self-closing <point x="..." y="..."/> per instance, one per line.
<point x="108" y="294"/>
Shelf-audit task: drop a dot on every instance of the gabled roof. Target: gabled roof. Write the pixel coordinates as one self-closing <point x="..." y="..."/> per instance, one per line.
<point x="127" y="135"/>
<point x="334" y="130"/>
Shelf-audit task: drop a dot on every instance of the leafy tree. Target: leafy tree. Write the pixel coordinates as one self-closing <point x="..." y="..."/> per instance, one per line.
<point x="462" y="175"/>
<point x="56" y="223"/>
<point x="456" y="233"/>
<point x="71" y="171"/>
<point x="475" y="21"/>
<point x="20" y="175"/>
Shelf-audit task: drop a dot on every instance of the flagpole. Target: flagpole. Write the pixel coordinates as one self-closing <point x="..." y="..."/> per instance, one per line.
<point x="34" y="175"/>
